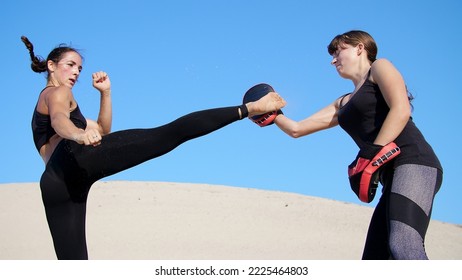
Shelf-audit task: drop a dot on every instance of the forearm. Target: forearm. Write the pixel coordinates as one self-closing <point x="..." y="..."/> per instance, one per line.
<point x="392" y="127"/>
<point x="323" y="119"/>
<point x="105" y="112"/>
<point x="305" y="127"/>
<point x="288" y="126"/>
<point x="65" y="128"/>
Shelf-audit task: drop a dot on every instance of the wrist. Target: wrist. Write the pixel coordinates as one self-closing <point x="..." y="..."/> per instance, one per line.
<point x="106" y="92"/>
<point x="77" y="136"/>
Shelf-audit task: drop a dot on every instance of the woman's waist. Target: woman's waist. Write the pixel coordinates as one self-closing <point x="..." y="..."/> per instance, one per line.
<point x="47" y="150"/>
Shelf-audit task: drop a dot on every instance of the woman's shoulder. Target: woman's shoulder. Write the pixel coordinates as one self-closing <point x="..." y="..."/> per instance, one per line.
<point x="381" y="63"/>
<point x="52" y="96"/>
<point x="58" y="93"/>
<point x="63" y="90"/>
<point x="381" y="67"/>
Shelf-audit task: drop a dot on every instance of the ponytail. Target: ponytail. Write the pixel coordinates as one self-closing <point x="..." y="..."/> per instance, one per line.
<point x="38" y="64"/>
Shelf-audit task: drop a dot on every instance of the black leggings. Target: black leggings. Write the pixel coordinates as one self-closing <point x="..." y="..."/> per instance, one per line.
<point x="401" y="218"/>
<point x="73" y="168"/>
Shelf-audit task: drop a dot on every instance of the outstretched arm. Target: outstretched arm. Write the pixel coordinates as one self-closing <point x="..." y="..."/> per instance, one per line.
<point x="323" y="119"/>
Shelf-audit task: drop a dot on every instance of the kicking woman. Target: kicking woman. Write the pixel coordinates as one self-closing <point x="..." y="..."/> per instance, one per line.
<point x="376" y="113"/>
<point x="77" y="151"/>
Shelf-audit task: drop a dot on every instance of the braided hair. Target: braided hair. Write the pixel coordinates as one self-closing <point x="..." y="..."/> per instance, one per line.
<point x="39" y="65"/>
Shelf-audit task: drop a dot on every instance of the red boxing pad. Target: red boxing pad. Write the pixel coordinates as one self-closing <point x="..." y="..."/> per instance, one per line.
<point x="363" y="174"/>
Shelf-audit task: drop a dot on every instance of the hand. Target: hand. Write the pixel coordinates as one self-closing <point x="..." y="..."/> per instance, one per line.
<point x="364" y="171"/>
<point x="89" y="137"/>
<point x="101" y="81"/>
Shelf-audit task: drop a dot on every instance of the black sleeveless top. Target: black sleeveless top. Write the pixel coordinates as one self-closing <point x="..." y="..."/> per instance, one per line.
<point x="363" y="116"/>
<point x="42" y="130"/>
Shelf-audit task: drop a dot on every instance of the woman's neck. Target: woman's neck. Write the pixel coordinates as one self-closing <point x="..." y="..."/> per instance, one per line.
<point x="362" y="76"/>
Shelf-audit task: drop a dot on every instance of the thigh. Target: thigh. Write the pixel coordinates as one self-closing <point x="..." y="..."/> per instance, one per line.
<point x="412" y="194"/>
<point x="64" y="178"/>
<point x="122" y="150"/>
<point x="65" y="216"/>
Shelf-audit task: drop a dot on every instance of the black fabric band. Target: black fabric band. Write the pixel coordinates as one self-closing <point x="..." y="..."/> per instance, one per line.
<point x="244" y="111"/>
<point x="406" y="211"/>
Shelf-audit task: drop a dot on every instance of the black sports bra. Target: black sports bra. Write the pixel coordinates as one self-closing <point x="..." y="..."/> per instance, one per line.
<point x="42" y="130"/>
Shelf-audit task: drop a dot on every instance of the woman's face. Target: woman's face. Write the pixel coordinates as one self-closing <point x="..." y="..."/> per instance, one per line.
<point x="344" y="59"/>
<point x="66" y="72"/>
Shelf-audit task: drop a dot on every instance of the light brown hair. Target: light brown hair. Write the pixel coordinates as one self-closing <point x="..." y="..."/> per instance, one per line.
<point x="354" y="38"/>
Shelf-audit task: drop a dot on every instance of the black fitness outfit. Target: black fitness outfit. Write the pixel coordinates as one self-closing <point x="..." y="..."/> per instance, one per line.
<point x="401" y="218"/>
<point x="73" y="168"/>
<point x="43" y="131"/>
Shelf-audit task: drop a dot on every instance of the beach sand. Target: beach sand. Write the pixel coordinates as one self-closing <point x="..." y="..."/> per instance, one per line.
<point x="129" y="220"/>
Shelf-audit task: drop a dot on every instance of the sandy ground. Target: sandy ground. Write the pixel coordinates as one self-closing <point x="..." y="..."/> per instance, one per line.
<point x="178" y="221"/>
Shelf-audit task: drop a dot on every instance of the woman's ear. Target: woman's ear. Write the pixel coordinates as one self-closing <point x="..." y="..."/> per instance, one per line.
<point x="50" y="66"/>
<point x="360" y="47"/>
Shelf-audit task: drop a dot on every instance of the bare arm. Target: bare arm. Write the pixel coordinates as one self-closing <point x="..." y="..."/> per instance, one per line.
<point x="323" y="119"/>
<point x="394" y="92"/>
<point x="58" y="102"/>
<point x="104" y="123"/>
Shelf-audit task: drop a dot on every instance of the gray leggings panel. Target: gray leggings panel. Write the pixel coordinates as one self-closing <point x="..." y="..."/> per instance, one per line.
<point x="410" y="205"/>
<point x="401" y="218"/>
<point x="418" y="183"/>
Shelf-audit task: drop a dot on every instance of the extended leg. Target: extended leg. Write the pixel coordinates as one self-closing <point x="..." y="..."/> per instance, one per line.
<point x="124" y="149"/>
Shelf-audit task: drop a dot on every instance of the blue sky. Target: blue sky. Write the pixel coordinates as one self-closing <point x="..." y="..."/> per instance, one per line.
<point x="168" y="58"/>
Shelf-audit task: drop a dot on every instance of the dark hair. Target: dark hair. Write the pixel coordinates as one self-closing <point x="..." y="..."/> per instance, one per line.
<point x="38" y="64"/>
<point x="354" y="38"/>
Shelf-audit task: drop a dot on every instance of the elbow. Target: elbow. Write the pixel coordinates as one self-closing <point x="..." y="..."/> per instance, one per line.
<point x="399" y="117"/>
<point x="107" y="131"/>
<point x="294" y="133"/>
<point x="405" y="114"/>
<point x="291" y="128"/>
<point x="408" y="113"/>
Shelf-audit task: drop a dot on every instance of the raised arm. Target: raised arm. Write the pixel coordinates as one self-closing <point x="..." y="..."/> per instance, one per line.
<point x="102" y="83"/>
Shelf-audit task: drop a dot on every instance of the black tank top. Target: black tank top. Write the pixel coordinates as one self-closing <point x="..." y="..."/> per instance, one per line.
<point x="42" y="130"/>
<point x="363" y="116"/>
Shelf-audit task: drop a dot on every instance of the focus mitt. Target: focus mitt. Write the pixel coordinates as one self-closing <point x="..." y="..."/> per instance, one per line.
<point x="255" y="93"/>
<point x="363" y="172"/>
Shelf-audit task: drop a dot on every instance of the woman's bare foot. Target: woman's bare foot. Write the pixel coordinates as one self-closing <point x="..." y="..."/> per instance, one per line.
<point x="268" y="103"/>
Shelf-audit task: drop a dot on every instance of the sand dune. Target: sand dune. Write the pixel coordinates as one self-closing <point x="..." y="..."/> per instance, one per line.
<point x="158" y="220"/>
